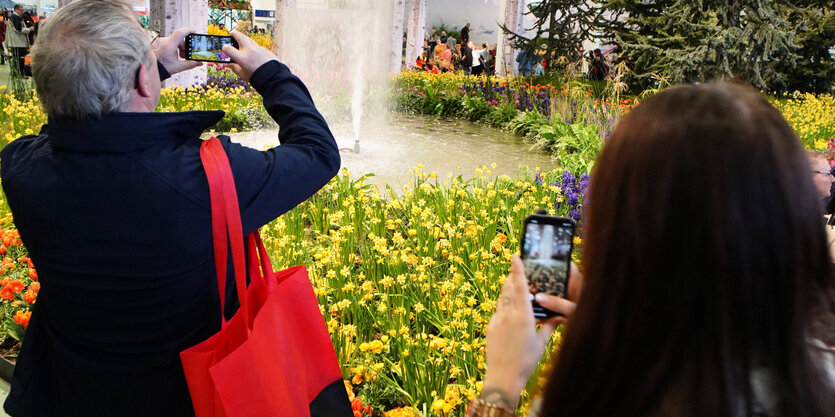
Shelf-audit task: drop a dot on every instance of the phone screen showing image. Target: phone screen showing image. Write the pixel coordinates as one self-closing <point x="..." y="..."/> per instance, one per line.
<point x="208" y="47"/>
<point x="547" y="243"/>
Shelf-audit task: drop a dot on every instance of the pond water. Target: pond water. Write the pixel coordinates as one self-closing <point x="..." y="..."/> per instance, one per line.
<point x="389" y="149"/>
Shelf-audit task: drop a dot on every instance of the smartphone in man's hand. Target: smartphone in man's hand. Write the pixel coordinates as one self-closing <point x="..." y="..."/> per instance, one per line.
<point x="208" y="48"/>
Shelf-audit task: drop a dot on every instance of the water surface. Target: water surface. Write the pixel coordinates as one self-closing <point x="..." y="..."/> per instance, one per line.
<point x="392" y="147"/>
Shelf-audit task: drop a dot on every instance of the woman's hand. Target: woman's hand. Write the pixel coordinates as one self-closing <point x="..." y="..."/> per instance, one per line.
<point x="248" y="57"/>
<point x="170" y="49"/>
<point x="514" y="346"/>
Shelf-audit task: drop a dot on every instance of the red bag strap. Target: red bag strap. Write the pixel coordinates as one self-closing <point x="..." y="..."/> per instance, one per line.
<point x="226" y="219"/>
<point x="254" y="239"/>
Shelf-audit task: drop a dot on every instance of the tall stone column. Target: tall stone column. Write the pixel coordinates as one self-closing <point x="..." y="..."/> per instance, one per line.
<point x="281" y="7"/>
<point x="510" y="15"/>
<point x="168" y="15"/>
<point x="397" y="34"/>
<point x="416" y="31"/>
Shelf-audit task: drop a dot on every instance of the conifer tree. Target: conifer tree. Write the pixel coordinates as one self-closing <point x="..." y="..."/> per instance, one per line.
<point x="815" y="71"/>
<point x="561" y="26"/>
<point x="703" y="40"/>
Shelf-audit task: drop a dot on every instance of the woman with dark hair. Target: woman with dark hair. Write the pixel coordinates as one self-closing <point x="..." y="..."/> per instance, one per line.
<point x="706" y="265"/>
<point x="30" y="23"/>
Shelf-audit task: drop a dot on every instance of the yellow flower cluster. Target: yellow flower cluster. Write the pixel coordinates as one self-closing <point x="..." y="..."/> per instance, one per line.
<point x="19" y="117"/>
<point x="446" y="81"/>
<point x="407" y="281"/>
<point x="216" y="30"/>
<point x="263" y="39"/>
<point x="811" y="116"/>
<point x="176" y="99"/>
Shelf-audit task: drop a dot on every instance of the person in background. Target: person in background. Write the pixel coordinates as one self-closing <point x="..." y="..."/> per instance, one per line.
<point x="598" y="69"/>
<point x="444" y="36"/>
<point x="439" y="48"/>
<point x="526" y="60"/>
<point x="17" y="37"/>
<point x="3" y="18"/>
<point x="420" y="62"/>
<point x="29" y="22"/>
<point x="446" y="60"/>
<point x="111" y="199"/>
<point x="465" y="34"/>
<point x="492" y="62"/>
<point x="431" y="67"/>
<point x="700" y="296"/>
<point x="467" y="58"/>
<point x="484" y="58"/>
<point x="821" y="174"/>
<point x="539" y="68"/>
<point x="824" y="180"/>
<point x="478" y="68"/>
<point x="431" y="43"/>
<point x="451" y="43"/>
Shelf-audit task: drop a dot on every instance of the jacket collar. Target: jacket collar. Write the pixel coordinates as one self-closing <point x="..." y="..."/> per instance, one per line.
<point x="127" y="132"/>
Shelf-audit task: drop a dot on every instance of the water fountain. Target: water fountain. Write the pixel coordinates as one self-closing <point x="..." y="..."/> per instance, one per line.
<point x="339" y="49"/>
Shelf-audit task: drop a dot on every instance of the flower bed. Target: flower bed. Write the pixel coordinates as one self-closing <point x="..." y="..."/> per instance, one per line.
<point x="811" y="116"/>
<point x="406" y="282"/>
<point x="569" y="119"/>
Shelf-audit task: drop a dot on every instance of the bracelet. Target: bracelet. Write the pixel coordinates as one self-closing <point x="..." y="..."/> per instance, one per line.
<point x="481" y="408"/>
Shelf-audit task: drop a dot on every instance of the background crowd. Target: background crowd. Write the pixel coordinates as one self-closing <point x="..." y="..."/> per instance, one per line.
<point x="18" y="31"/>
<point x="455" y="52"/>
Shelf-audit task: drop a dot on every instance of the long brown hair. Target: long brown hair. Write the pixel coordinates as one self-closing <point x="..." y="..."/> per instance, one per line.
<point x="705" y="259"/>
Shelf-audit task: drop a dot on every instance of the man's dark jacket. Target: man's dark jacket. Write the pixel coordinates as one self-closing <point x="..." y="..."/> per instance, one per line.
<point x="466" y="57"/>
<point x="115" y="214"/>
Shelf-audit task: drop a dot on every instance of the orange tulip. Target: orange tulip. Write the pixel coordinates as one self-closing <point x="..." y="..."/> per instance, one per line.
<point x="22" y="318"/>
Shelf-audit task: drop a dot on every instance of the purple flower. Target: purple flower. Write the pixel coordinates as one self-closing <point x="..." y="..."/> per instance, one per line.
<point x="539" y="179"/>
<point x="573" y="199"/>
<point x="584" y="182"/>
<point x="575" y="215"/>
<point x="567" y="179"/>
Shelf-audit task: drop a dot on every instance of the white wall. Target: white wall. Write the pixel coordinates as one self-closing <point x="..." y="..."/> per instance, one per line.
<point x="483" y="16"/>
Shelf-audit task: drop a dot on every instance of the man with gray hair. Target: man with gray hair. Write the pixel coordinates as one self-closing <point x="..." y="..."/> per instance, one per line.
<point x="112" y="201"/>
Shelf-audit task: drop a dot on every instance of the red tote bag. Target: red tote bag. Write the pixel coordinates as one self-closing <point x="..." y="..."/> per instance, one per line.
<point x="274" y="357"/>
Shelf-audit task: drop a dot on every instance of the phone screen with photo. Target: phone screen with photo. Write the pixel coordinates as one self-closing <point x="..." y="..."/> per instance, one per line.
<point x="546" y="253"/>
<point x="208" y="47"/>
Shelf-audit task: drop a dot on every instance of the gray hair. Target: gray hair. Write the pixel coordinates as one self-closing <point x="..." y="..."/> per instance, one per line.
<point x="815" y="155"/>
<point x="86" y="57"/>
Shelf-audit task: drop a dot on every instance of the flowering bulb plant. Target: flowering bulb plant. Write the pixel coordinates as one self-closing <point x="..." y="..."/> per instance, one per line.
<point x="19" y="284"/>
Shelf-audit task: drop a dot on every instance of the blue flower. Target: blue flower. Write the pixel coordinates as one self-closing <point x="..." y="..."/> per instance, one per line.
<point x="584" y="182"/>
<point x="573" y="199"/>
<point x="567" y="179"/>
<point x="575" y="215"/>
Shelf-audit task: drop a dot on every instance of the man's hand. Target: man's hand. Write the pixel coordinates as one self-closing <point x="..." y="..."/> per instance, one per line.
<point x="248" y="57"/>
<point x="171" y="48"/>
